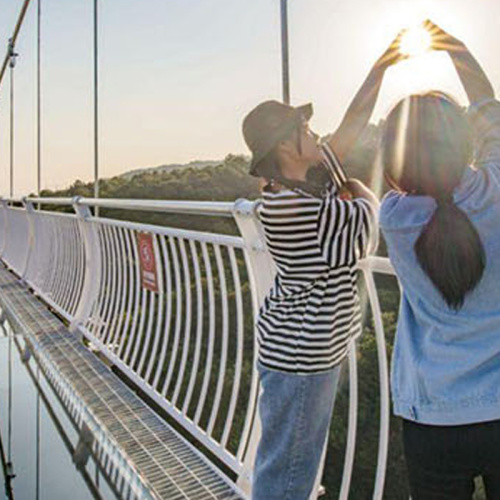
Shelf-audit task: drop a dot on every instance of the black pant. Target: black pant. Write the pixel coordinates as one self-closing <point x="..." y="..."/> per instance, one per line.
<point x="443" y="461"/>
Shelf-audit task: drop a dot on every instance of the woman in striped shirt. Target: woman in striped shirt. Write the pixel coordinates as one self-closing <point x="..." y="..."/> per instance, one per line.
<point x="311" y="315"/>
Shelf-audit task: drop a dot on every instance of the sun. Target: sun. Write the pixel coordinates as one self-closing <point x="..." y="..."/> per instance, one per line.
<point x="415" y="41"/>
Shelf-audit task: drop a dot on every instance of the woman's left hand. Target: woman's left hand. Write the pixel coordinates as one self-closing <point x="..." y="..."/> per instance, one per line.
<point x="393" y="54"/>
<point x="361" y="108"/>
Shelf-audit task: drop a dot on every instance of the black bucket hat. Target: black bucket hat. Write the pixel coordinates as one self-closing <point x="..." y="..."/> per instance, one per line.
<point x="269" y="123"/>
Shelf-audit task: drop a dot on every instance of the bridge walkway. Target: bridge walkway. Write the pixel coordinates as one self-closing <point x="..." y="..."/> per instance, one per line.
<point x="155" y="460"/>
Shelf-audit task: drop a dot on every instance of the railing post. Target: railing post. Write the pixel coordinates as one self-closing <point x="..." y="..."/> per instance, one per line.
<point x="92" y="275"/>
<point x="261" y="273"/>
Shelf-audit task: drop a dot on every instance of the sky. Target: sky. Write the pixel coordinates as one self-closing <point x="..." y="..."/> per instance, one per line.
<point x="178" y="76"/>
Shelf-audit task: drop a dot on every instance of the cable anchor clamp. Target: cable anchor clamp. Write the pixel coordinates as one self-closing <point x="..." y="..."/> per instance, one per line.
<point x="12" y="54"/>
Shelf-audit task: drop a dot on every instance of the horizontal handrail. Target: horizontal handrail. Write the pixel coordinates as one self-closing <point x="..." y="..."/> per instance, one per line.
<point x="220" y="239"/>
<point x="210" y="208"/>
<point x="185" y="207"/>
<point x="49" y="201"/>
<point x="377" y="264"/>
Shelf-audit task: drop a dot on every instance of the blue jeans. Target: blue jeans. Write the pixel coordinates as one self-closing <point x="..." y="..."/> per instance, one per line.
<point x="295" y="412"/>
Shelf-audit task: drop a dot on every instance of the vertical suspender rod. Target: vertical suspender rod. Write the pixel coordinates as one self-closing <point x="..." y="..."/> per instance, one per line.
<point x="12" y="64"/>
<point x="284" y="52"/>
<point x="38" y="102"/>
<point x="96" y="106"/>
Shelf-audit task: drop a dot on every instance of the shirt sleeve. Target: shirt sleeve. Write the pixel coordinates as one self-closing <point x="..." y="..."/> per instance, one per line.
<point x="348" y="230"/>
<point x="333" y="166"/>
<point x="484" y="118"/>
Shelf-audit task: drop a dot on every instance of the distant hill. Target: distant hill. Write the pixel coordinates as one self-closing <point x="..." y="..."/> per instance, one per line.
<point x="222" y="180"/>
<point x="225" y="180"/>
<point x="162" y="169"/>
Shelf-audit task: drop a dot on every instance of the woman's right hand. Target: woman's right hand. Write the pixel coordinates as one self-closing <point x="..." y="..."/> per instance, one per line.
<point x="441" y="39"/>
<point x="474" y="80"/>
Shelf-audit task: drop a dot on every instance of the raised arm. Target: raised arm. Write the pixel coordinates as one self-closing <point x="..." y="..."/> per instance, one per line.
<point x="361" y="108"/>
<point x="474" y="80"/>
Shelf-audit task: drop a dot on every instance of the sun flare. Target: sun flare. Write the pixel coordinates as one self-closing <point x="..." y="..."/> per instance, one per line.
<point x="415" y="41"/>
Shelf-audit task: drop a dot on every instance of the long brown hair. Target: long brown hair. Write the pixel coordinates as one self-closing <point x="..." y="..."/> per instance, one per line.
<point x="426" y="147"/>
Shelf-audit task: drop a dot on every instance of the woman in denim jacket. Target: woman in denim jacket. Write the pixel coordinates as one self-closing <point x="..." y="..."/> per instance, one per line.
<point x="441" y="224"/>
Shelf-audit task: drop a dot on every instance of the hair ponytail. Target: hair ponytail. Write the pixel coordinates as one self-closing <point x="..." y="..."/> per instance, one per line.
<point x="427" y="146"/>
<point x="450" y="252"/>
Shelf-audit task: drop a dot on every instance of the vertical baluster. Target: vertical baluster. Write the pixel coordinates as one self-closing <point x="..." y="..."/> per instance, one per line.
<point x="352" y="424"/>
<point x="222" y="365"/>
<point x="107" y="295"/>
<point x="211" y="333"/>
<point x="122" y="287"/>
<point x="147" y="303"/>
<point x="101" y="302"/>
<point x="138" y="293"/>
<point x="384" y="384"/>
<point x="199" y="326"/>
<point x="73" y="266"/>
<point x="62" y="277"/>
<point x="187" y="323"/>
<point x="239" y="347"/>
<point x="153" y="359"/>
<point x="54" y="262"/>
<point x="119" y="290"/>
<point x="178" y="315"/>
<point x="132" y="295"/>
<point x="45" y="256"/>
<point x="80" y="263"/>
<point x="68" y="267"/>
<point x="153" y="314"/>
<point x="168" y="318"/>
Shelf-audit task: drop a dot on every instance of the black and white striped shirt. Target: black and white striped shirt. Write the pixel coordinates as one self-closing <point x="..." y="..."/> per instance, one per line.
<point x="312" y="312"/>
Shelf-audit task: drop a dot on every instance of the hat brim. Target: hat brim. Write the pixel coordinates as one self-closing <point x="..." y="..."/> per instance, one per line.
<point x="305" y="111"/>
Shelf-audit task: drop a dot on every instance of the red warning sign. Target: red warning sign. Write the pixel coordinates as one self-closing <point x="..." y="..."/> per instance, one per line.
<point x="147" y="259"/>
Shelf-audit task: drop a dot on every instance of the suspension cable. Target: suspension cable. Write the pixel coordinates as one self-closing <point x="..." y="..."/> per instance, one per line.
<point x="13" y="38"/>
<point x="38" y="101"/>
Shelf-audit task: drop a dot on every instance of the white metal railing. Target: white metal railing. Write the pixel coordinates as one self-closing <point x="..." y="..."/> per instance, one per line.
<point x="187" y="338"/>
<point x="18" y="238"/>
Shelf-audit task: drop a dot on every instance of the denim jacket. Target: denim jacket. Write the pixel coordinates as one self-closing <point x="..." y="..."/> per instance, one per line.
<point x="446" y="364"/>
